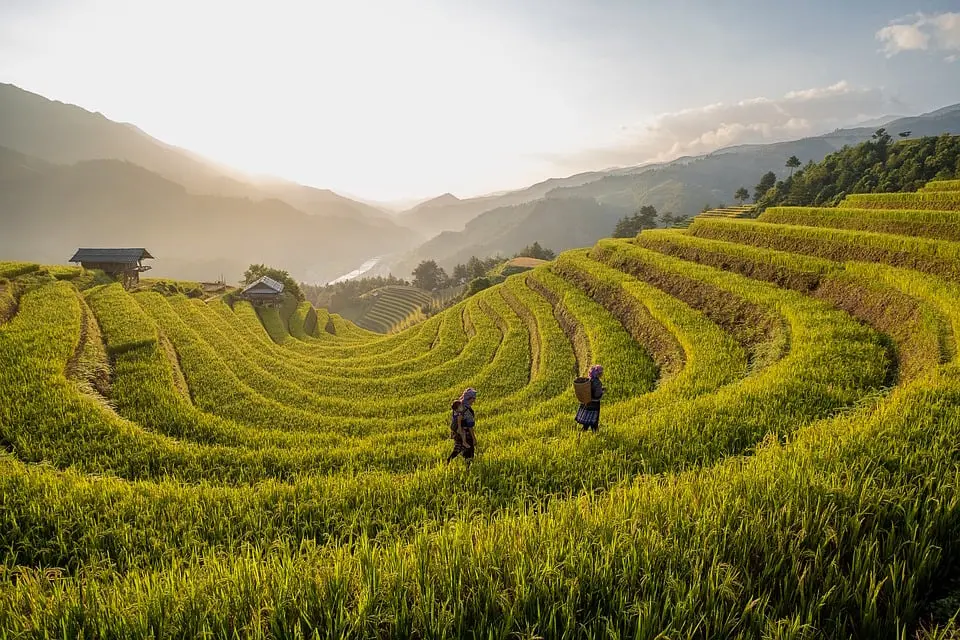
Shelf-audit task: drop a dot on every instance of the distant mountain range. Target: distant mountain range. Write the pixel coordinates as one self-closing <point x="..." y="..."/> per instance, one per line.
<point x="683" y="186"/>
<point x="71" y="177"/>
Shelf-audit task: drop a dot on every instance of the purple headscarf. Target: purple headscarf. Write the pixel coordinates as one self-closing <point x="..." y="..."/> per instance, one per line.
<point x="595" y="371"/>
<point x="469" y="394"/>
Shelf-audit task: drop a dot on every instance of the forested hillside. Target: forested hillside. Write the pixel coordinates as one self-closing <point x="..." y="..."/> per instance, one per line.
<point x="879" y="165"/>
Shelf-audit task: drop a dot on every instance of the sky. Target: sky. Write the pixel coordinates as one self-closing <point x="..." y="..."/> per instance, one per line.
<point x="402" y="99"/>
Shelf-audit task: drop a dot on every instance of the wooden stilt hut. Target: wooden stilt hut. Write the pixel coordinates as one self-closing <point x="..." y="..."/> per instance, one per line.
<point x="265" y="291"/>
<point x="125" y="265"/>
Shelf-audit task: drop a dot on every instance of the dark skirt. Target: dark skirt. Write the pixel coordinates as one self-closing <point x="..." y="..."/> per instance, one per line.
<point x="464" y="445"/>
<point x="588" y="414"/>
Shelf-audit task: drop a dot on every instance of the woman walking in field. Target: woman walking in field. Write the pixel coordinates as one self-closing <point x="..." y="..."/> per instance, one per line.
<point x="462" y="423"/>
<point x="588" y="414"/>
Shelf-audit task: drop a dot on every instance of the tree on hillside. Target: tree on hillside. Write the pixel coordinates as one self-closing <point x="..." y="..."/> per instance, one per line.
<point x="626" y="228"/>
<point x="881" y="141"/>
<point x="741" y="195"/>
<point x="667" y="219"/>
<point x="767" y="182"/>
<point x="648" y="217"/>
<point x="536" y="251"/>
<point x="478" y="284"/>
<point x="256" y="271"/>
<point x="630" y="226"/>
<point x="476" y="267"/>
<point x="904" y="134"/>
<point x="460" y="274"/>
<point x="429" y="276"/>
<point x="473" y="268"/>
<point x="793" y="162"/>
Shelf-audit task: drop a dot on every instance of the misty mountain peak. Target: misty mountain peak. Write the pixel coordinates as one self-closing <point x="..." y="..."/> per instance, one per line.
<point x="440" y="201"/>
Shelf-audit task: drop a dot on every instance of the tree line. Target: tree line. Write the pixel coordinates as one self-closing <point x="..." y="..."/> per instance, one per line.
<point x="646" y="217"/>
<point x="878" y="165"/>
<point x="430" y="276"/>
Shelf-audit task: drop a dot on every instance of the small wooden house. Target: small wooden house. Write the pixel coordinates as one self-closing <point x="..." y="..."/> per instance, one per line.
<point x="264" y="291"/>
<point x="125" y="265"/>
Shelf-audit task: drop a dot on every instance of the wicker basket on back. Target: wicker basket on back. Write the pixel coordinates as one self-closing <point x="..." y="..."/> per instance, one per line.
<point x="581" y="387"/>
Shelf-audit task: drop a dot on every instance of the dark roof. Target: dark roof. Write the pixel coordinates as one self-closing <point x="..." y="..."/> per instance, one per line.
<point x="270" y="283"/>
<point x="119" y="256"/>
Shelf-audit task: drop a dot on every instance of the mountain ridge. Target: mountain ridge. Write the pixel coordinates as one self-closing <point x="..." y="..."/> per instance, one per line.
<point x="54" y="208"/>
<point x="682" y="186"/>
<point x="46" y="145"/>
<point x="65" y="133"/>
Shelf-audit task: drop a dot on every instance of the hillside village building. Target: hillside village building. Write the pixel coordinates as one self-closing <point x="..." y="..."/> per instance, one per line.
<point x="264" y="291"/>
<point x="124" y="265"/>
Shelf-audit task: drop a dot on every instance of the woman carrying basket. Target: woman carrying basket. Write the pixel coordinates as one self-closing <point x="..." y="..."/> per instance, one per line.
<point x="462" y="423"/>
<point x="588" y="414"/>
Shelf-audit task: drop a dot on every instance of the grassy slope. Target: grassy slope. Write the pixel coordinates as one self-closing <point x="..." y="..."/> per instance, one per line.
<point x="777" y="456"/>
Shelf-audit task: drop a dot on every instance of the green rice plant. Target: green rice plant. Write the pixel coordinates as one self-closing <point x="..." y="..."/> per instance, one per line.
<point x="8" y="300"/>
<point x="924" y="223"/>
<point x="551" y="353"/>
<point x="323" y="317"/>
<point x="347" y="330"/>
<point x="10" y="270"/>
<point x="426" y="343"/>
<point x="917" y="331"/>
<point x="276" y="328"/>
<point x="124" y="324"/>
<point x="939" y="200"/>
<point x="419" y="343"/>
<point x="170" y="287"/>
<point x="345" y="396"/>
<point x="711" y="357"/>
<point x="89" y="367"/>
<point x="819" y="507"/>
<point x="276" y="378"/>
<point x="62" y="272"/>
<point x="392" y="306"/>
<point x="303" y="322"/>
<point x="64" y="427"/>
<point x="818" y="336"/>
<point x="655" y="350"/>
<point x="936" y="257"/>
<point x="941" y="185"/>
<point x="758" y="327"/>
<point x="328" y="343"/>
<point x="790" y="270"/>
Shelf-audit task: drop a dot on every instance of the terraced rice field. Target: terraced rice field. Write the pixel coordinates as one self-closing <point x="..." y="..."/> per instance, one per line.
<point x="743" y="211"/>
<point x="393" y="307"/>
<point x="777" y="458"/>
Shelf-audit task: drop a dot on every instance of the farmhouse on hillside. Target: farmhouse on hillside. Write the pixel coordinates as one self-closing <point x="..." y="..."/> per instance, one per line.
<point x="263" y="291"/>
<point x="124" y="265"/>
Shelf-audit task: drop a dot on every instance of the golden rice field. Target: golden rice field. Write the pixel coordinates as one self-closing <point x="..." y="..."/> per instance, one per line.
<point x="778" y="456"/>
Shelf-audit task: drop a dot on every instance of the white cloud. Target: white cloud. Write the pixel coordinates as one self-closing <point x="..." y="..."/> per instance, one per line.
<point x="902" y="37"/>
<point x="754" y="120"/>
<point x="922" y="32"/>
